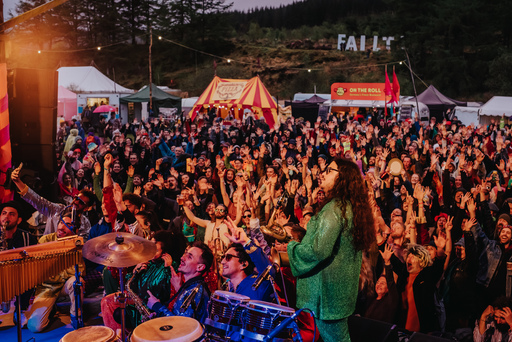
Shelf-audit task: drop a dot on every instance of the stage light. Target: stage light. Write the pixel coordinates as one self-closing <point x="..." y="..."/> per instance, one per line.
<point x="159" y="37"/>
<point x="99" y="48"/>
<point x="39" y="51"/>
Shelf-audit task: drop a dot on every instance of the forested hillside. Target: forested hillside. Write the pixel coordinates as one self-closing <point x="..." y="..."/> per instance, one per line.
<point x="463" y="47"/>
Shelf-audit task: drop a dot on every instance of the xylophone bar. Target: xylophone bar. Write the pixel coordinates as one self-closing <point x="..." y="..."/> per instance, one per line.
<point x="23" y="268"/>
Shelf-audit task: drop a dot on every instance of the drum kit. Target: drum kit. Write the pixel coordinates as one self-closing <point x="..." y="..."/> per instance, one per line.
<point x="232" y="317"/>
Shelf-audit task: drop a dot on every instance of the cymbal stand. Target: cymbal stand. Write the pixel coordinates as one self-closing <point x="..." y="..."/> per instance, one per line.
<point x="77" y="288"/>
<point x="121" y="298"/>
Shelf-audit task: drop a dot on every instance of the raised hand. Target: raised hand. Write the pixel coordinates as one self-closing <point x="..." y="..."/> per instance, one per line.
<point x="469" y="223"/>
<point x="235" y="235"/>
<point x="131" y="171"/>
<point x="387" y="254"/>
<point x="97" y="168"/>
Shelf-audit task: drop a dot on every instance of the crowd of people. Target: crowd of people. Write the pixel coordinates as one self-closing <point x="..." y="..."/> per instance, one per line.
<point x="424" y="246"/>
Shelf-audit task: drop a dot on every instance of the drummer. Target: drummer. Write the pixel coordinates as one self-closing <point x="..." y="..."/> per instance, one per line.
<point x="239" y="262"/>
<point x="195" y="263"/>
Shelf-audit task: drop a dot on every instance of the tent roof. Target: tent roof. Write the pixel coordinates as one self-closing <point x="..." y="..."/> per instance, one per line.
<point x="65" y="93"/>
<point x="305" y="96"/>
<point x="432" y="97"/>
<point x="88" y="79"/>
<point x="315" y="99"/>
<point x="497" y="106"/>
<point x="143" y="95"/>
<point x="254" y="94"/>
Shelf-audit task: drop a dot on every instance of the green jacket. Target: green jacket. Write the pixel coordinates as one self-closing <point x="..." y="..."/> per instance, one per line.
<point x="326" y="264"/>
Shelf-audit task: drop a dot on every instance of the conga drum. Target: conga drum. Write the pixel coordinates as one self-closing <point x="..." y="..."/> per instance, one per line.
<point x="97" y="333"/>
<point x="260" y="318"/>
<point x="168" y="329"/>
<point x="225" y="310"/>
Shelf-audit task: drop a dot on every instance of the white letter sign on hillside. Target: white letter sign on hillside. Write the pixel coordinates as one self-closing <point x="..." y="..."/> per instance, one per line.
<point x="350" y="44"/>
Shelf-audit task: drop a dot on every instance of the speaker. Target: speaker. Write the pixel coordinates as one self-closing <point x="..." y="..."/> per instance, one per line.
<point x="33" y="119"/>
<point x="364" y="329"/>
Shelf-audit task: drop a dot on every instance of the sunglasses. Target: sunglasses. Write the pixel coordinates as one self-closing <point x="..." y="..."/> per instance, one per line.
<point x="329" y="169"/>
<point x="228" y="257"/>
<point x="246" y="216"/>
<point x="80" y="200"/>
<point x="221" y="210"/>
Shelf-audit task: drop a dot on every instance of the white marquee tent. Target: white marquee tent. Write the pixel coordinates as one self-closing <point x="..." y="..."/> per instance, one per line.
<point x="88" y="79"/>
<point x="495" y="108"/>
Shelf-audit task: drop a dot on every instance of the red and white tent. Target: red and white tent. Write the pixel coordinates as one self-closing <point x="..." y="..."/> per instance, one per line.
<point x="236" y="96"/>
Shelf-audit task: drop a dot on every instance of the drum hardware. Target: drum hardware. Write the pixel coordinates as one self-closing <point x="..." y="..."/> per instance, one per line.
<point x="119" y="250"/>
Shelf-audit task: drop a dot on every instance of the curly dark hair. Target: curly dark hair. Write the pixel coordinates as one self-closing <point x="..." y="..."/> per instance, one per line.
<point x="349" y="188"/>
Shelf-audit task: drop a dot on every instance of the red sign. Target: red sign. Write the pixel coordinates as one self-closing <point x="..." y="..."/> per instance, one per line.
<point x="358" y="91"/>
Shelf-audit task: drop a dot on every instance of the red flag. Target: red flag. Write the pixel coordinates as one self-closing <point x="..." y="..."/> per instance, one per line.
<point x="387" y="88"/>
<point x="396" y="86"/>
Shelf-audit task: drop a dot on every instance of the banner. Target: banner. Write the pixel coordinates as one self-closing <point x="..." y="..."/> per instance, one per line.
<point x="358" y="91"/>
<point x="228" y="91"/>
<point x="5" y="139"/>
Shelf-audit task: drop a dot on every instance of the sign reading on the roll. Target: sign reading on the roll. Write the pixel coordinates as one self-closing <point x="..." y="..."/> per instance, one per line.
<point x="358" y="91"/>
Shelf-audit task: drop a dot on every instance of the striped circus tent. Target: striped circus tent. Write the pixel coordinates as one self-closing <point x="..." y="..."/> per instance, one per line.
<point x="5" y="139"/>
<point x="234" y="96"/>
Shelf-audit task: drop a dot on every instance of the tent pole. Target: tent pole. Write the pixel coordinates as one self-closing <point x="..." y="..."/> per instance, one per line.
<point x="413" y="84"/>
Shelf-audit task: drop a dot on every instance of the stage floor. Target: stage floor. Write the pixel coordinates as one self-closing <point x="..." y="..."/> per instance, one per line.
<point x="59" y="325"/>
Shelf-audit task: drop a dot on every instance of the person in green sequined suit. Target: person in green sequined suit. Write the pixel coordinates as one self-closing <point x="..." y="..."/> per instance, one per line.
<point x="327" y="262"/>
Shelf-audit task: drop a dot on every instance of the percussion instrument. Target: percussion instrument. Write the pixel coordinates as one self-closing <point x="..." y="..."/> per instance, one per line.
<point x="168" y="329"/>
<point x="225" y="309"/>
<point x="94" y="333"/>
<point x="119" y="249"/>
<point x="23" y="268"/>
<point x="260" y="318"/>
<point x="395" y="167"/>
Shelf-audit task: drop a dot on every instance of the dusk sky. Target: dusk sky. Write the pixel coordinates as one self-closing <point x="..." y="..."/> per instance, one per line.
<point x="241" y="5"/>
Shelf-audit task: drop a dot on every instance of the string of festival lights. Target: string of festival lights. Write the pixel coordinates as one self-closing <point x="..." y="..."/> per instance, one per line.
<point x="221" y="58"/>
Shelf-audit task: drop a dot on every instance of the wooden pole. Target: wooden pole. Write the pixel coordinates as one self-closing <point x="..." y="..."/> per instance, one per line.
<point x="30" y="14"/>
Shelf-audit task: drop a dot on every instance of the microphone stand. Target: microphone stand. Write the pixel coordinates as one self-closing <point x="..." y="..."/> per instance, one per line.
<point x="289" y="322"/>
<point x="271" y="279"/>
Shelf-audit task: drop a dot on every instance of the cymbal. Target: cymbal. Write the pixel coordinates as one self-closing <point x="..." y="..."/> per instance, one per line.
<point x="119" y="250"/>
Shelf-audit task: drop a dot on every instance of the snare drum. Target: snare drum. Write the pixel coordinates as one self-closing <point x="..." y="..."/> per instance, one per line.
<point x="94" y="333"/>
<point x="260" y="318"/>
<point x="168" y="329"/>
<point x="225" y="310"/>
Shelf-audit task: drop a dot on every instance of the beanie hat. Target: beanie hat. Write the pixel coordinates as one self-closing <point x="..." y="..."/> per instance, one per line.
<point x="505" y="217"/>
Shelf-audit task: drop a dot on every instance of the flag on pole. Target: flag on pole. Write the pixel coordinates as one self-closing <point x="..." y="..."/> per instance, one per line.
<point x="396" y="86"/>
<point x="5" y="138"/>
<point x="388" y="91"/>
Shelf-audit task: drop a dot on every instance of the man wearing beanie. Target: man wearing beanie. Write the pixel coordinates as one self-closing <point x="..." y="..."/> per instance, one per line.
<point x="15" y="237"/>
<point x="10" y="219"/>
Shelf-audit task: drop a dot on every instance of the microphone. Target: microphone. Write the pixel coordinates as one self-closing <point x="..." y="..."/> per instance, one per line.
<point x="282" y="325"/>
<point x="262" y="276"/>
<point x="186" y="303"/>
